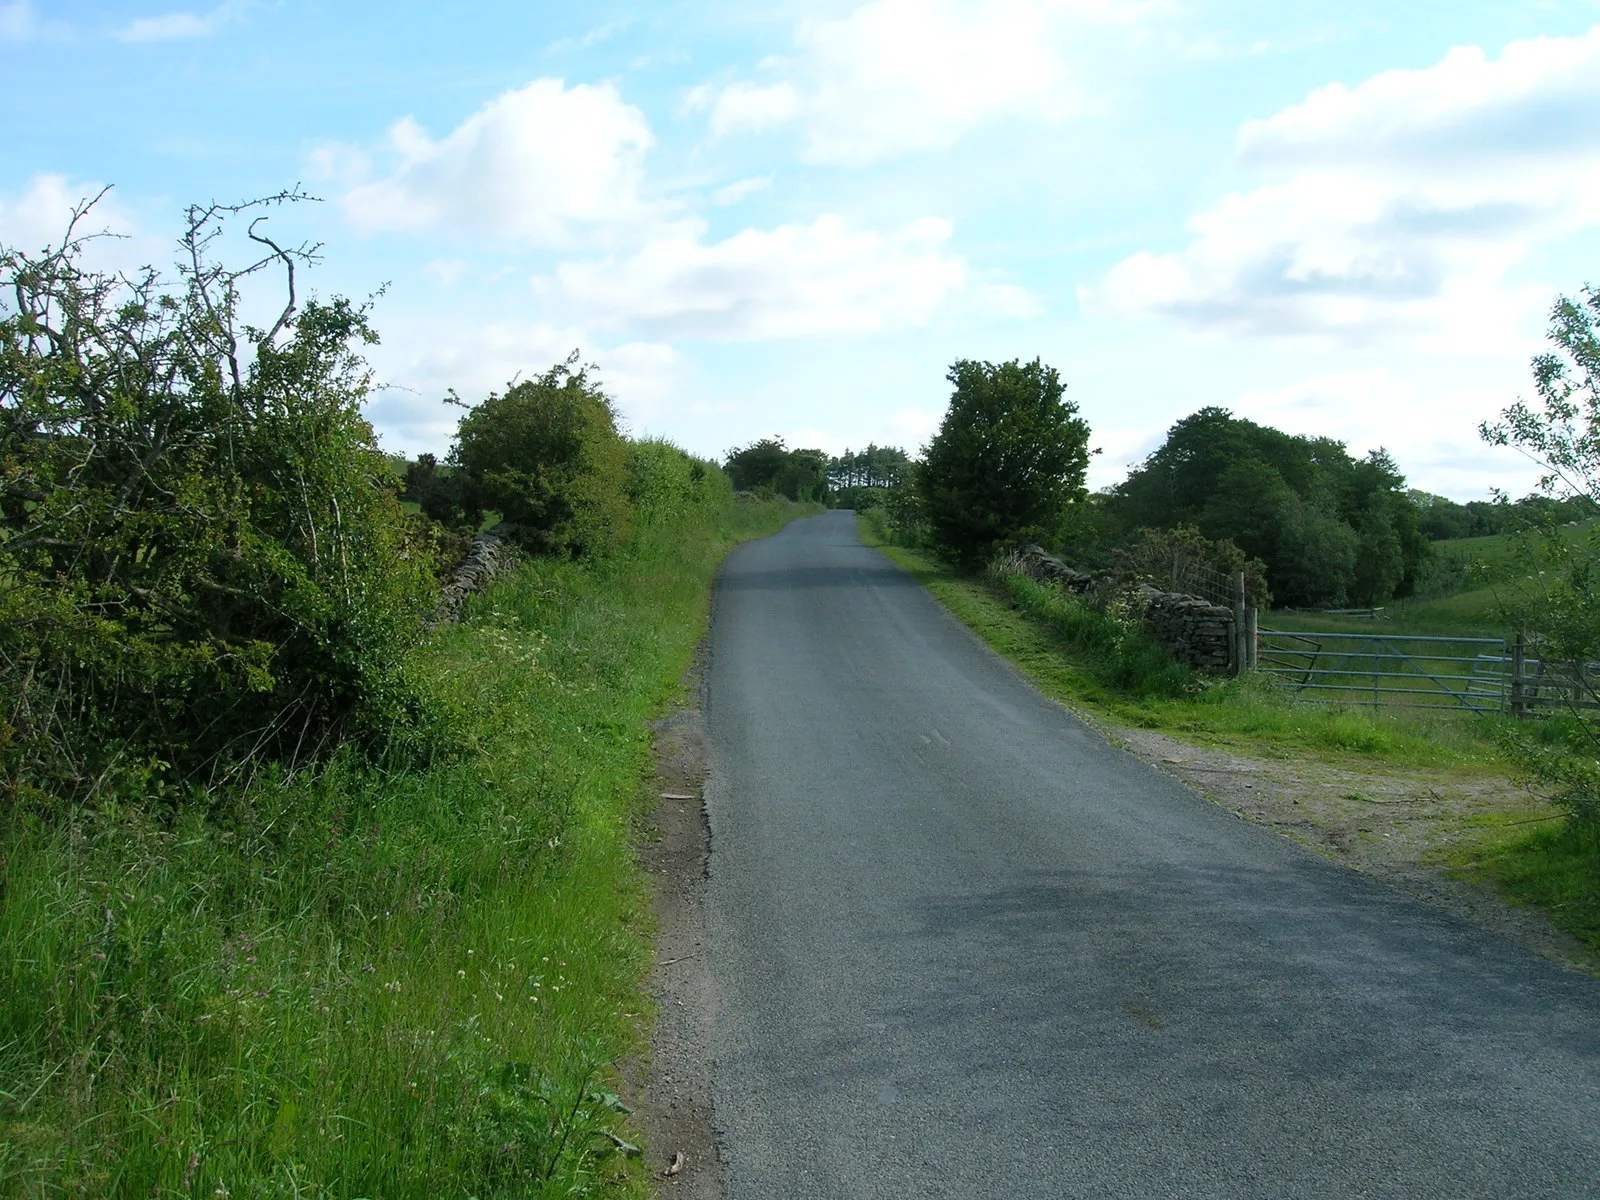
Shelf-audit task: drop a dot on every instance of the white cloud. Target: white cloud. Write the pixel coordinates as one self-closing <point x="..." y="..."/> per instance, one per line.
<point x="178" y="26"/>
<point x="544" y="164"/>
<point x="334" y="162"/>
<point x="38" y="218"/>
<point x="593" y="37"/>
<point x="1009" y="300"/>
<point x="750" y="108"/>
<point x="1394" y="209"/>
<point x="901" y="76"/>
<point x="19" y="22"/>
<point x="1430" y="429"/>
<point x="740" y="189"/>
<point x="412" y="418"/>
<point x="1536" y="100"/>
<point x="911" y="428"/>
<point x="795" y="280"/>
<point x="16" y="21"/>
<point x="448" y="271"/>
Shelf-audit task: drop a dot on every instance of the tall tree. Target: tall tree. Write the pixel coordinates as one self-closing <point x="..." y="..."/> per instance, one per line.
<point x="1009" y="458"/>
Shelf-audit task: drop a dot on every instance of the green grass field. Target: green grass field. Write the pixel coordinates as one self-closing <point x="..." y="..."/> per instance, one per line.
<point x="361" y="982"/>
<point x="1474" y="611"/>
<point x="1499" y="551"/>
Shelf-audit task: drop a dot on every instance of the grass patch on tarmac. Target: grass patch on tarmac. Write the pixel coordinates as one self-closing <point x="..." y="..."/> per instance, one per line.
<point x="1555" y="867"/>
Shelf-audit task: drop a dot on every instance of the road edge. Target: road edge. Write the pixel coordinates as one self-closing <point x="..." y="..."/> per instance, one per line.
<point x="673" y="1079"/>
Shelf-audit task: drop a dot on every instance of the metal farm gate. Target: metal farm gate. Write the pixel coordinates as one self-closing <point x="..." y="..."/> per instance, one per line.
<point x="1406" y="671"/>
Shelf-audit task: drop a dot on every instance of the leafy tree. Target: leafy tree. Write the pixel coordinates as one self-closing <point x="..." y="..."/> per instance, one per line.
<point x="437" y="492"/>
<point x="756" y="467"/>
<point x="875" y="467"/>
<point x="1274" y="493"/>
<point x="805" y="476"/>
<point x="1556" y="597"/>
<point x="548" y="457"/>
<point x="1315" y="559"/>
<point x="1247" y="507"/>
<point x="862" y="479"/>
<point x="767" y="467"/>
<point x="1559" y="592"/>
<point x="1008" y="459"/>
<point x="1561" y="429"/>
<point x="204" y="562"/>
<point x="1380" y="558"/>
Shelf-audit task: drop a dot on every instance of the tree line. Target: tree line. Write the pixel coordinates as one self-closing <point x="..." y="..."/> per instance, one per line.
<point x="1320" y="526"/>
<point x="856" y="478"/>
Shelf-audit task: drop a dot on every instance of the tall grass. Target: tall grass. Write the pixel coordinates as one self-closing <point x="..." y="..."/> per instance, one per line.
<point x="359" y="981"/>
<point x="1116" y="651"/>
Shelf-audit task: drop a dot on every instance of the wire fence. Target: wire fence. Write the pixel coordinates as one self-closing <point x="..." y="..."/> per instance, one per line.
<point x="1197" y="579"/>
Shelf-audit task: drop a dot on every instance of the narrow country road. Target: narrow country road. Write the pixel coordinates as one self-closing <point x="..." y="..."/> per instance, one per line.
<point x="962" y="947"/>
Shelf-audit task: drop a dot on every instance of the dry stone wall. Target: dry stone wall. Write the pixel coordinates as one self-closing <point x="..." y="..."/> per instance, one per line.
<point x="1195" y="631"/>
<point x="488" y="559"/>
<point x="1047" y="568"/>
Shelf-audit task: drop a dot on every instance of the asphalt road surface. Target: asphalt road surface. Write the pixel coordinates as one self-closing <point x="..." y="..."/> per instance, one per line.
<point x="963" y="947"/>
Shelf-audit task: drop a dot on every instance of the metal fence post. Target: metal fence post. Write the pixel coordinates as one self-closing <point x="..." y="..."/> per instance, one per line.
<point x="1518" y="656"/>
<point x="1252" y="645"/>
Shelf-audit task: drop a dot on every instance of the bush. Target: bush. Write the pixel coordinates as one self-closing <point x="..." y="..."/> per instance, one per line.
<point x="667" y="484"/>
<point x="1554" y="594"/>
<point x="1182" y="560"/>
<point x="861" y="497"/>
<point x="548" y="457"/>
<point x="204" y="560"/>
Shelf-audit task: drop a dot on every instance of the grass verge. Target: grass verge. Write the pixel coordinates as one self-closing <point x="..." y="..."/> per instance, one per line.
<point x="1555" y="867"/>
<point x="359" y="982"/>
<point x="1071" y="661"/>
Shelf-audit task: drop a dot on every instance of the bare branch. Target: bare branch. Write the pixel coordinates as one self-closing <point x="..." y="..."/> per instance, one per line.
<point x="288" y="266"/>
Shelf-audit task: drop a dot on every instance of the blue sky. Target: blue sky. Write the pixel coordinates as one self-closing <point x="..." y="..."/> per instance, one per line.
<point x="1337" y="218"/>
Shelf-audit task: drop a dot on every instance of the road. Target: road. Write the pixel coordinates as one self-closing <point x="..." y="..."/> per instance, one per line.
<point x="963" y="947"/>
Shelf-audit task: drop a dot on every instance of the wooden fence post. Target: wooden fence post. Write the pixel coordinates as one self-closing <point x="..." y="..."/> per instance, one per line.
<point x="1252" y="633"/>
<point x="1241" y="655"/>
<point x="1518" y="656"/>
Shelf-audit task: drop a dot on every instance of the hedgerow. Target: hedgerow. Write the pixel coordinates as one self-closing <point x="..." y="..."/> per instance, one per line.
<point x="202" y="562"/>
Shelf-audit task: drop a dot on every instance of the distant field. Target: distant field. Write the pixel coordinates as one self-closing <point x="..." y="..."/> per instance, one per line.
<point x="1497" y="552"/>
<point x="1474" y="612"/>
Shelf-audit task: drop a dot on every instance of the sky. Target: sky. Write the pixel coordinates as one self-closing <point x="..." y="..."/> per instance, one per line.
<point x="1345" y="219"/>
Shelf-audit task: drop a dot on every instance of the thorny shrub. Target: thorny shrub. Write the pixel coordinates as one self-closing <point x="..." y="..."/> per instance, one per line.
<point x="202" y="562"/>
